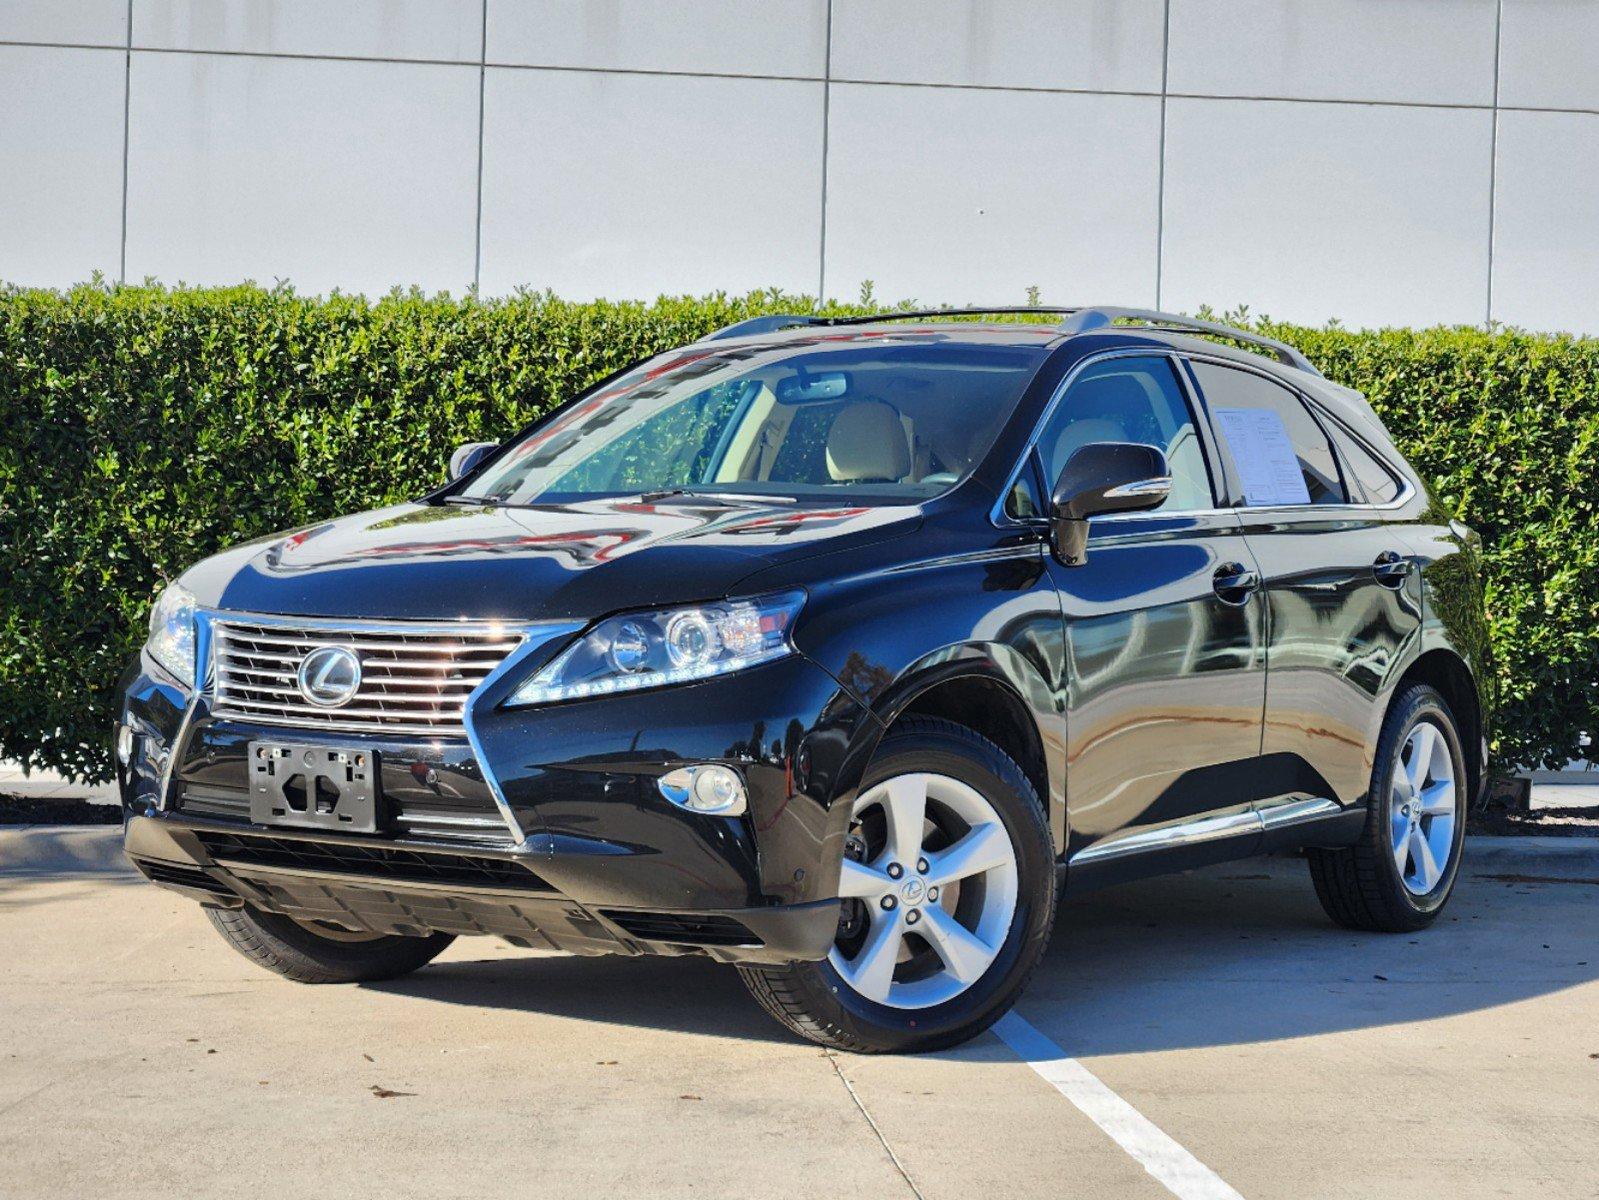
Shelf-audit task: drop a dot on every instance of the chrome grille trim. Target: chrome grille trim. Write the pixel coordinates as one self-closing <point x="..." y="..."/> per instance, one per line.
<point x="417" y="677"/>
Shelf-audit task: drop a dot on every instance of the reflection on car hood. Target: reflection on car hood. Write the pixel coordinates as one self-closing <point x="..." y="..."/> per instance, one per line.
<point x="430" y="562"/>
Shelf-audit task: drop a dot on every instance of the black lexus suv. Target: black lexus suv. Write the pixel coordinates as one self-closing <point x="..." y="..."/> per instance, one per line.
<point x="833" y="649"/>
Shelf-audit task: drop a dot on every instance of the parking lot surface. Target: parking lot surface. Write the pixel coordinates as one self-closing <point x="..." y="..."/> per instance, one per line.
<point x="140" y="1056"/>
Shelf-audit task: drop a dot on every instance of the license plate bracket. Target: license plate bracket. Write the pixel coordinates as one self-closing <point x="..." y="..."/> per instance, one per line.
<point x="313" y="786"/>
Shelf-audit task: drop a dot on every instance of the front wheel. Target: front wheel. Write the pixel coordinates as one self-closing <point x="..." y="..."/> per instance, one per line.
<point x="948" y="889"/>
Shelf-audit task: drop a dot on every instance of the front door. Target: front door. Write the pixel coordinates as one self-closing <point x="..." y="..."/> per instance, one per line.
<point x="1164" y="636"/>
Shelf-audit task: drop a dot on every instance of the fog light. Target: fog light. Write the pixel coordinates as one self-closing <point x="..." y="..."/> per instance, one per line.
<point x="707" y="788"/>
<point x="124" y="744"/>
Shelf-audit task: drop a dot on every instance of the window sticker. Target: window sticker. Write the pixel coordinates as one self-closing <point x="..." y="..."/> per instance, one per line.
<point x="1264" y="455"/>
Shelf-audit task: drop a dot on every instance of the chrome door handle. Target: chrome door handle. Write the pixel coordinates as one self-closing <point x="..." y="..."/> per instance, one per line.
<point x="1391" y="570"/>
<point x="1235" y="583"/>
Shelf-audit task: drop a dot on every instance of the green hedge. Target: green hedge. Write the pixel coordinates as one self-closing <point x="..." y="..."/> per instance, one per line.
<point x="142" y="429"/>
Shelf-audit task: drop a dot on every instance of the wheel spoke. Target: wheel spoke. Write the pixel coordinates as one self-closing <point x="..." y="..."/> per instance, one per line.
<point x="1426" y="864"/>
<point x="1439" y="799"/>
<point x="983" y="848"/>
<point x="860" y="882"/>
<point x="905" y="802"/>
<point x="871" y="972"/>
<point x="965" y="954"/>
<point x="1402" y="838"/>
<point x="1422" y="740"/>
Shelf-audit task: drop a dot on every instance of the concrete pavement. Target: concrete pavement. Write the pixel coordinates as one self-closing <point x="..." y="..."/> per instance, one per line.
<point x="139" y="1056"/>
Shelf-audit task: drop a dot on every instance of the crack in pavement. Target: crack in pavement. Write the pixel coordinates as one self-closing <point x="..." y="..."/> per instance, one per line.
<point x="832" y="1059"/>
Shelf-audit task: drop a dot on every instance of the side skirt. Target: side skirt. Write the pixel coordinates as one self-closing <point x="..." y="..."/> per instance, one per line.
<point x="1286" y="824"/>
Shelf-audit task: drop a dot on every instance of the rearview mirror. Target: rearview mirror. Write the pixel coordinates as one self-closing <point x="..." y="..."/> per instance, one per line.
<point x="469" y="457"/>
<point x="813" y="387"/>
<point x="1106" y="477"/>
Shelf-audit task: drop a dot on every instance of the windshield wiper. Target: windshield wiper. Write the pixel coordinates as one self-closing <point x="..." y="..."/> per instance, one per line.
<point x="734" y="497"/>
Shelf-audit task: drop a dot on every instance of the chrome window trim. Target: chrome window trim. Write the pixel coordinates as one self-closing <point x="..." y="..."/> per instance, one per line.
<point x="1320" y="412"/>
<point x="533" y="634"/>
<point x="1003" y="520"/>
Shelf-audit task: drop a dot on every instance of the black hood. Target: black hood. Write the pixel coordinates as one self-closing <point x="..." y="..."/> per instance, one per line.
<point x="446" y="562"/>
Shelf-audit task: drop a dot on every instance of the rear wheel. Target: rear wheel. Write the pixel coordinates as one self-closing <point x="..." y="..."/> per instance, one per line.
<point x="948" y="889"/>
<point x="1398" y="877"/>
<point x="316" y="952"/>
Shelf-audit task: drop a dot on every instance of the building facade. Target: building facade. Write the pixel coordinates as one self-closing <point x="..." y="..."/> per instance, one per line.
<point x="1374" y="161"/>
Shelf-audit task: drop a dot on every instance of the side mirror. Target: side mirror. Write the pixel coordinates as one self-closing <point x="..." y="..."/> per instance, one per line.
<point x="467" y="458"/>
<point x="1106" y="477"/>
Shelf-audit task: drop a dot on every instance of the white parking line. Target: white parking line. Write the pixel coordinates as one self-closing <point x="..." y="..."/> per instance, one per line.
<point x="1179" y="1171"/>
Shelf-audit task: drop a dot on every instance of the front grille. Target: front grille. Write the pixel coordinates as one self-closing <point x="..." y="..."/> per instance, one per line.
<point x="372" y="862"/>
<point x="414" y="678"/>
<point x="683" y="929"/>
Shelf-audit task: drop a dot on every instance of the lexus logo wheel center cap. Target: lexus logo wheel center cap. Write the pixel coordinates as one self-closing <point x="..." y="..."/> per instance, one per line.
<point x="329" y="676"/>
<point x="913" y="891"/>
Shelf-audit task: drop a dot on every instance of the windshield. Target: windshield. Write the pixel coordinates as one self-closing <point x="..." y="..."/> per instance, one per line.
<point x="902" y="418"/>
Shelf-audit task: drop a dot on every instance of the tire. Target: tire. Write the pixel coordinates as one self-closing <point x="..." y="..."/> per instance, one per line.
<point x="1365" y="886"/>
<point x="296" y="952"/>
<point x="925" y="1003"/>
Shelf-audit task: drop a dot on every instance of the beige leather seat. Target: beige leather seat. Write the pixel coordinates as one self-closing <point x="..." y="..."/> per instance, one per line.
<point x="867" y="442"/>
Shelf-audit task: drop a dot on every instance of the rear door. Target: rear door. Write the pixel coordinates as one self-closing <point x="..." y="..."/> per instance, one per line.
<point x="1342" y="599"/>
<point x="1164" y="634"/>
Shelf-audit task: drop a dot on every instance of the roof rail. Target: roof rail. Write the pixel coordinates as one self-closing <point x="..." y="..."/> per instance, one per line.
<point x="1083" y="320"/>
<point x="771" y="324"/>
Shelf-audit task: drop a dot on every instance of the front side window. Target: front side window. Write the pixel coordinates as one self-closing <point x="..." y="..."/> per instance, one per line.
<point x="1134" y="399"/>
<point x="1279" y="452"/>
<point x="899" y="420"/>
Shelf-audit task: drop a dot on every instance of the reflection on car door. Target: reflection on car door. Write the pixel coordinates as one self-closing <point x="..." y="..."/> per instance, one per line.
<point x="1341" y="598"/>
<point x="1164" y="634"/>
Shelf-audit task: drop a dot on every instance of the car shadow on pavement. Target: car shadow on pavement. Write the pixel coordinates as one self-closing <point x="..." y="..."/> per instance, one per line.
<point x="683" y="995"/>
<point x="1228" y="955"/>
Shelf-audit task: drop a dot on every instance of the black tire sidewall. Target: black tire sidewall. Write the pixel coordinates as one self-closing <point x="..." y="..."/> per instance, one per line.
<point x="978" y="764"/>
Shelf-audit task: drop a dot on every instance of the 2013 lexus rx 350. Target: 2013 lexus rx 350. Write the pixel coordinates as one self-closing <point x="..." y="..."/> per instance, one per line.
<point x="834" y="650"/>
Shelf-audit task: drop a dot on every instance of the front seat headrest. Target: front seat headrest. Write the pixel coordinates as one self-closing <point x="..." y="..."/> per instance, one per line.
<point x="867" y="441"/>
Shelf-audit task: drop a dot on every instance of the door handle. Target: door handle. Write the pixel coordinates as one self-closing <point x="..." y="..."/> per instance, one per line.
<point x="1391" y="570"/>
<point x="1235" y="583"/>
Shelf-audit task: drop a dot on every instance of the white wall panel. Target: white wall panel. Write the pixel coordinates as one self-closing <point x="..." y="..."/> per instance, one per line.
<point x="81" y="22"/>
<point x="1546" y="229"/>
<point x="1372" y="215"/>
<point x="775" y="37"/>
<point x="631" y="185"/>
<point x="344" y="175"/>
<point x="432" y="29"/>
<point x="1549" y="54"/>
<point x="951" y="195"/>
<point x="1416" y="51"/>
<point x="1104" y="45"/>
<point x="60" y="164"/>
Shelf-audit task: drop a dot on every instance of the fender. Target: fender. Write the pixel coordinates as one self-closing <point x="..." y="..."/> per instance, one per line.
<point x="993" y="663"/>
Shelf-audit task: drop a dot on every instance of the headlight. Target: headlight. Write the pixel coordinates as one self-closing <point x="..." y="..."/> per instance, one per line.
<point x="648" y="650"/>
<point x="172" y="633"/>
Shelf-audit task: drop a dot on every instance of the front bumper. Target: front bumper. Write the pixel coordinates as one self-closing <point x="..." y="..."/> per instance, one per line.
<point x="394" y="887"/>
<point x="598" y="862"/>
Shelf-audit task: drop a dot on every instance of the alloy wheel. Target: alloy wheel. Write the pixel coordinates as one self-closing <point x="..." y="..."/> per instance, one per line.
<point x="1422" y="808"/>
<point x="930" y="886"/>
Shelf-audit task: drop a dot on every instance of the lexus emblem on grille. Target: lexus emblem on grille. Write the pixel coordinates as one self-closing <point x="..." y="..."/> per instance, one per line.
<point x="329" y="676"/>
